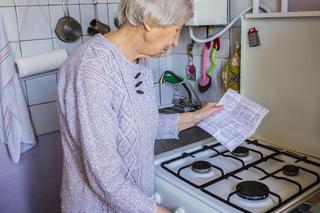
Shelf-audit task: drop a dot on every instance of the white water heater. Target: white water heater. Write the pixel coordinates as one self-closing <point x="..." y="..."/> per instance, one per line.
<point x="209" y="12"/>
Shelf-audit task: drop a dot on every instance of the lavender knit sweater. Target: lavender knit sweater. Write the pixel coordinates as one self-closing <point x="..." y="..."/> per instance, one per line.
<point x="109" y="122"/>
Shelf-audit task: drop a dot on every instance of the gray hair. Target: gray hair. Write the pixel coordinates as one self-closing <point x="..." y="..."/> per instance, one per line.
<point x="154" y="12"/>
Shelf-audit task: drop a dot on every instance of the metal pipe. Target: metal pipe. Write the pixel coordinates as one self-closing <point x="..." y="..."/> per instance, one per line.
<point x="255" y="6"/>
<point x="284" y="6"/>
<point x="187" y="84"/>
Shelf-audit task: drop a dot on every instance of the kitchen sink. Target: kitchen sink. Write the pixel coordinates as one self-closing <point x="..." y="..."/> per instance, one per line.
<point x="172" y="110"/>
<point x="187" y="136"/>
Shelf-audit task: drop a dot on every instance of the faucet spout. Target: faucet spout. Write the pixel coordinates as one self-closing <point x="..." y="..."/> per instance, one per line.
<point x="161" y="81"/>
<point x="186" y="84"/>
<point x="168" y="72"/>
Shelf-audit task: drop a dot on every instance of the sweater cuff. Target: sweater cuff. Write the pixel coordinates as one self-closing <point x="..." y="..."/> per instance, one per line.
<point x="168" y="126"/>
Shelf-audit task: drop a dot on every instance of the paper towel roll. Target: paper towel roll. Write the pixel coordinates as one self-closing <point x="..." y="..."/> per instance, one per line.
<point x="41" y="63"/>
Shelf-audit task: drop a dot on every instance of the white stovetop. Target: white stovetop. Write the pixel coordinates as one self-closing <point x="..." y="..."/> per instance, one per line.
<point x="223" y="188"/>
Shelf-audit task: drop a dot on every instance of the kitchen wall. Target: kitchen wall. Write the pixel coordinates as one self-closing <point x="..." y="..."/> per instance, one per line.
<point x="30" y="27"/>
<point x="33" y="185"/>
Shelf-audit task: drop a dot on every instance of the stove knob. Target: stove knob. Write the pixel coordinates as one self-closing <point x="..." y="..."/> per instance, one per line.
<point x="157" y="198"/>
<point x="179" y="210"/>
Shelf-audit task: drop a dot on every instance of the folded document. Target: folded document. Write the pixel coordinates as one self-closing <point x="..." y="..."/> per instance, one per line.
<point x="238" y="121"/>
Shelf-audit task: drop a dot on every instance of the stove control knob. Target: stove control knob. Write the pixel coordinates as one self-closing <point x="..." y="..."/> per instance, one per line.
<point x="157" y="198"/>
<point x="179" y="210"/>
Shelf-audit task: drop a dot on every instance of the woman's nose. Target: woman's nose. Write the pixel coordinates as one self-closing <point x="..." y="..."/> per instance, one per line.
<point x="176" y="42"/>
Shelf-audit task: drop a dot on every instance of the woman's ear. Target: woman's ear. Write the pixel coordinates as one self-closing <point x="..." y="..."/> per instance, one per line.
<point x="147" y="27"/>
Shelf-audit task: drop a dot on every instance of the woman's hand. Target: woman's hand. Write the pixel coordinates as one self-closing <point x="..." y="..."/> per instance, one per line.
<point x="207" y="111"/>
<point x="162" y="210"/>
<point x="189" y="119"/>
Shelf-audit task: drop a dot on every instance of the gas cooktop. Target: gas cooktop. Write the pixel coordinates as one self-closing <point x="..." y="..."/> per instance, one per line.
<point x="255" y="177"/>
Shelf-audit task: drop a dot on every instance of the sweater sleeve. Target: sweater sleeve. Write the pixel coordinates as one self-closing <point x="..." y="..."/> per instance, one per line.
<point x="99" y="130"/>
<point x="168" y="126"/>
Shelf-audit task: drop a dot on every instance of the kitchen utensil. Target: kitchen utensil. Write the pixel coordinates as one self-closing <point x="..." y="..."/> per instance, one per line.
<point x="191" y="69"/>
<point x="96" y="26"/>
<point x="68" y="29"/>
<point x="117" y="22"/>
<point x="253" y="37"/>
<point x="205" y="81"/>
<point x="213" y="59"/>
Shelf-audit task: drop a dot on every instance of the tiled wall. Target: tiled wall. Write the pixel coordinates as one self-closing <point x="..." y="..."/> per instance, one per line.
<point x="30" y="28"/>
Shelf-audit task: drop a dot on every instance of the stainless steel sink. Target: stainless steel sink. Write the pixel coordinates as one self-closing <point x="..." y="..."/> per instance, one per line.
<point x="171" y="110"/>
<point x="186" y="137"/>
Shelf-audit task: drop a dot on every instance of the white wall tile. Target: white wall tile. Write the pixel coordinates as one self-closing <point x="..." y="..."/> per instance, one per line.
<point x="10" y="23"/>
<point x="235" y="36"/>
<point x="166" y="93"/>
<point x="45" y="118"/>
<point x="154" y="65"/>
<point x="112" y="13"/>
<point x="16" y="49"/>
<point x="87" y="14"/>
<point x="85" y="1"/>
<point x="36" y="47"/>
<point x="113" y="1"/>
<point x="56" y="13"/>
<point x="157" y="92"/>
<point x="165" y="63"/>
<point x="179" y="64"/>
<point x="102" y="14"/>
<point x="90" y="1"/>
<point x="31" y="2"/>
<point x="42" y="89"/>
<point x="53" y="2"/>
<point x="70" y="47"/>
<point x="34" y="22"/>
<point x="24" y="90"/>
<point x="6" y="3"/>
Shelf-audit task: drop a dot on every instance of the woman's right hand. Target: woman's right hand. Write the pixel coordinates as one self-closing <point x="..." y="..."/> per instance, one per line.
<point x="162" y="210"/>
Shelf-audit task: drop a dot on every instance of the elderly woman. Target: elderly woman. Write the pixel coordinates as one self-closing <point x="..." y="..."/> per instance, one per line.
<point x="108" y="112"/>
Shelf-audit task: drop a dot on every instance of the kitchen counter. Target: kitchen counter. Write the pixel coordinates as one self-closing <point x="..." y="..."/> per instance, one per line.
<point x="186" y="137"/>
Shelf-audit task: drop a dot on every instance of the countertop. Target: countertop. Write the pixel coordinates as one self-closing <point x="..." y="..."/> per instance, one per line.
<point x="186" y="137"/>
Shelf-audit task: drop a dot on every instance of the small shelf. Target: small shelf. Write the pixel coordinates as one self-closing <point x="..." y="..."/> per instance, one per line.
<point x="284" y="15"/>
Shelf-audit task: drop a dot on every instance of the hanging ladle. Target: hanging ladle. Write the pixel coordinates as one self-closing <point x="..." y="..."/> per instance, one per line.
<point x="95" y="25"/>
<point x="68" y="29"/>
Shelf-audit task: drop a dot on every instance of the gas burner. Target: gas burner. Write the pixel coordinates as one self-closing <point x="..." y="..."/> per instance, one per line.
<point x="252" y="190"/>
<point x="290" y="170"/>
<point x="240" y="151"/>
<point x="201" y="167"/>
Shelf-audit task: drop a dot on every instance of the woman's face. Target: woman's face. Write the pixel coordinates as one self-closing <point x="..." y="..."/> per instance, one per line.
<point x="160" y="38"/>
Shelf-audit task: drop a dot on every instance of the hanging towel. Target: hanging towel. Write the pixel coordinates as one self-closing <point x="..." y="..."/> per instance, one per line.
<point x="15" y="126"/>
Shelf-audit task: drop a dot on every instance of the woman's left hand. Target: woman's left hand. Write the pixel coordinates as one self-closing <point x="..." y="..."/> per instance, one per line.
<point x="189" y="119"/>
<point x="207" y="111"/>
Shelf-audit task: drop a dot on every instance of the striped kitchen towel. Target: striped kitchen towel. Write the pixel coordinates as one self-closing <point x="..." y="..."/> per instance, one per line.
<point x="15" y="126"/>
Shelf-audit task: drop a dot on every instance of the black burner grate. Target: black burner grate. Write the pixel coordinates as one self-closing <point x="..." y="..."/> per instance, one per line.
<point x="290" y="170"/>
<point x="243" y="192"/>
<point x="201" y="167"/>
<point x="252" y="190"/>
<point x="240" y="151"/>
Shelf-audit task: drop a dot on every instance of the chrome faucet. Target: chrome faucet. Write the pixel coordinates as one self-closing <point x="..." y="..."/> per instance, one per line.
<point x="198" y="103"/>
<point x="161" y="81"/>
